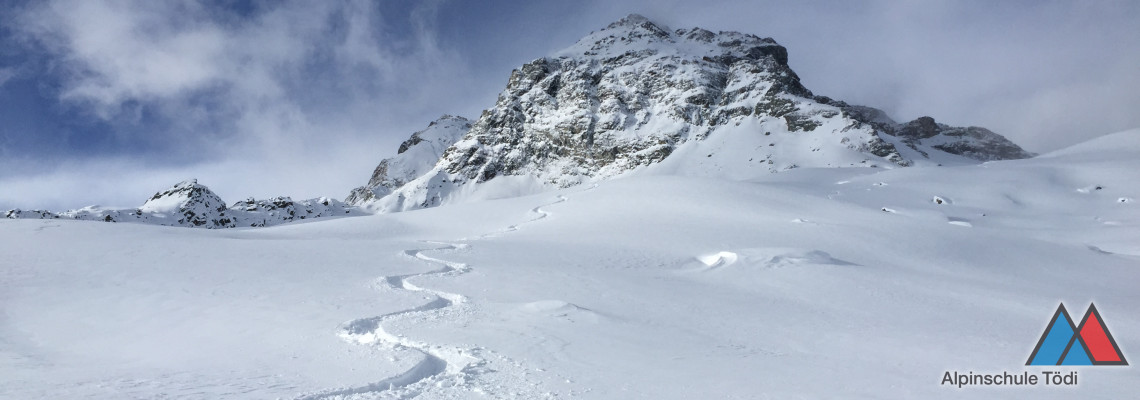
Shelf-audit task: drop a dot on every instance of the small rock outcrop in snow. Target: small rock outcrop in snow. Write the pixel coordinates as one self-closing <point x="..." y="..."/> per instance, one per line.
<point x="191" y="204"/>
<point x="638" y="95"/>
<point x="972" y="142"/>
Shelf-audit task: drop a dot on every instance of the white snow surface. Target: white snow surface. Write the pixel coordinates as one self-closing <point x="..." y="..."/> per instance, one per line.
<point x="653" y="286"/>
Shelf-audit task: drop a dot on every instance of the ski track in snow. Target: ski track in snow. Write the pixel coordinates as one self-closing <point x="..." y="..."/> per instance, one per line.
<point x="441" y="365"/>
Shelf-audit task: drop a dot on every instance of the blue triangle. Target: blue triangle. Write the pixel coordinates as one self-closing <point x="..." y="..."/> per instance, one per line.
<point x="1077" y="354"/>
<point x="1056" y="340"/>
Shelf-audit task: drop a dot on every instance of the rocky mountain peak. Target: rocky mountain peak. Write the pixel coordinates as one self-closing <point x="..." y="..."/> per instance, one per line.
<point x="632" y="20"/>
<point x="636" y="95"/>
<point x="190" y="202"/>
<point x="637" y="22"/>
<point x="185" y="190"/>
<point x="637" y="34"/>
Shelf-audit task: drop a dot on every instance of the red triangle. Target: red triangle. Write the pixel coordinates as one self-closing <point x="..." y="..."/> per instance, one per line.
<point x="1099" y="341"/>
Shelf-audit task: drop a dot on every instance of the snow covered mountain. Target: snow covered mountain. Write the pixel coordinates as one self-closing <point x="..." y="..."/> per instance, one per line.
<point x="191" y="204"/>
<point x="416" y="156"/>
<point x="638" y="96"/>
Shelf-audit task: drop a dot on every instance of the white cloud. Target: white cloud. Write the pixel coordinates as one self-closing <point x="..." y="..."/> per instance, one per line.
<point x="6" y="74"/>
<point x="305" y="97"/>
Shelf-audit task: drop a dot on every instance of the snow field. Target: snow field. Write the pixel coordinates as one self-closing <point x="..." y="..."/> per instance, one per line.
<point x="790" y="285"/>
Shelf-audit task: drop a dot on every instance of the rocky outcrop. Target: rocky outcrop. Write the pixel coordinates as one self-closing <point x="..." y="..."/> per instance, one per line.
<point x="972" y="142"/>
<point x="925" y="134"/>
<point x="187" y="203"/>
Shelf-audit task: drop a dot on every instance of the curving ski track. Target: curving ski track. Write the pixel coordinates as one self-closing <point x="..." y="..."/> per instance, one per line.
<point x="438" y="361"/>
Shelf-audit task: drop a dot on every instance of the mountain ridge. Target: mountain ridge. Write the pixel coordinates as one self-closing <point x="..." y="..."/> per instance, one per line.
<point x="190" y="204"/>
<point x="635" y="97"/>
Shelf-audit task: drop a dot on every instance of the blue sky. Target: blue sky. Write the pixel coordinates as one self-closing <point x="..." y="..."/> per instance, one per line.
<point x="106" y="102"/>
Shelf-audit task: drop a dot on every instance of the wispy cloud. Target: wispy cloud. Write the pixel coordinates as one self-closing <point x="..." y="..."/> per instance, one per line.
<point x="301" y="93"/>
<point x="6" y="74"/>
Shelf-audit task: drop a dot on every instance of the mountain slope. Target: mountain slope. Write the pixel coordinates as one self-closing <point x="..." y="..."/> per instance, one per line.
<point x="637" y="94"/>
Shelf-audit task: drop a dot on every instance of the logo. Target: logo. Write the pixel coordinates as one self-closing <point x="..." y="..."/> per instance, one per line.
<point x="1065" y="343"/>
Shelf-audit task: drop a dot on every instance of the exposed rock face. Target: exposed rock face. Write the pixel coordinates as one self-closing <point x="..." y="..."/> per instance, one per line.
<point x="972" y="142"/>
<point x="625" y="97"/>
<point x="191" y="204"/>
<point x="921" y="128"/>
<point x="924" y="134"/>
<point x="637" y="95"/>
<point x="416" y="156"/>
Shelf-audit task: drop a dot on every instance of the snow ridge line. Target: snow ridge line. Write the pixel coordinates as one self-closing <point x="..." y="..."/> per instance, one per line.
<point x="438" y="361"/>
